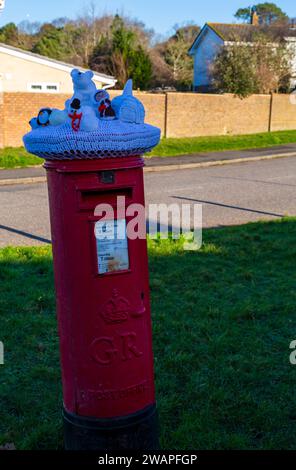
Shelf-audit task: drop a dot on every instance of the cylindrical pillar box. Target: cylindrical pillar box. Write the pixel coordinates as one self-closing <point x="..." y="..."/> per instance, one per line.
<point x="93" y="151"/>
<point x="103" y="306"/>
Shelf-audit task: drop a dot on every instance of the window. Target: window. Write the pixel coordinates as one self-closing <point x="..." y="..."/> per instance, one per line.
<point x="44" y="87"/>
<point x="36" y="87"/>
<point x="52" y="87"/>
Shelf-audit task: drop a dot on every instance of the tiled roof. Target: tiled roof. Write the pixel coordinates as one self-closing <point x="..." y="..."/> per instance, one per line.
<point x="249" y="32"/>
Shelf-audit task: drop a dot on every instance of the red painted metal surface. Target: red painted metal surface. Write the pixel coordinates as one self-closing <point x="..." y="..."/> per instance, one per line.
<point x="103" y="319"/>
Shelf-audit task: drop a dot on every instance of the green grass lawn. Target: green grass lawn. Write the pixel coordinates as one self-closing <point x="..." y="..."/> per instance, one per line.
<point x="18" y="157"/>
<point x="223" y="320"/>
<point x="174" y="147"/>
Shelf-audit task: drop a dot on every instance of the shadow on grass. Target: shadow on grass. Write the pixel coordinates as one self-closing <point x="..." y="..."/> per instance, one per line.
<point x="223" y="320"/>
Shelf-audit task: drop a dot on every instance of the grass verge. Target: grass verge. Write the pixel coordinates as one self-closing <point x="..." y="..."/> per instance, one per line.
<point x="18" y="157"/>
<point x="221" y="341"/>
<point x="173" y="147"/>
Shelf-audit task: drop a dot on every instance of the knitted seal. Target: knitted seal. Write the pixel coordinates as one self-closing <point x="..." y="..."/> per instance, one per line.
<point x="90" y="127"/>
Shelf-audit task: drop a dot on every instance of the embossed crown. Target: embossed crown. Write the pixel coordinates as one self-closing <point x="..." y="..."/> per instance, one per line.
<point x="116" y="309"/>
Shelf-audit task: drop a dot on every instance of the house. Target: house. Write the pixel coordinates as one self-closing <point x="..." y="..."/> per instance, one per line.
<point x="23" y="71"/>
<point x="215" y="35"/>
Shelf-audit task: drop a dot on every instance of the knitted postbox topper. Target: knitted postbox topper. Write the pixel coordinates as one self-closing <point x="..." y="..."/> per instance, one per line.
<point x="91" y="125"/>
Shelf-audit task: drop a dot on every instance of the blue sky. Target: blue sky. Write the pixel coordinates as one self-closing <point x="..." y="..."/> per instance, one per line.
<point x="161" y="15"/>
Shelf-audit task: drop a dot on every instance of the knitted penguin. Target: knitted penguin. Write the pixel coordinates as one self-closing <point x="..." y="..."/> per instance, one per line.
<point x="103" y="105"/>
<point x="33" y="123"/>
<point x="43" y="117"/>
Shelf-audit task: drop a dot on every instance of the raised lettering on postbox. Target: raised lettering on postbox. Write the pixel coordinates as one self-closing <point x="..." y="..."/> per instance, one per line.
<point x="107" y="349"/>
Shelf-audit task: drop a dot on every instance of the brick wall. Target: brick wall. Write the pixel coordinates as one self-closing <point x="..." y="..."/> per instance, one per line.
<point x="193" y="114"/>
<point x="283" y="113"/>
<point x="19" y="108"/>
<point x="177" y="114"/>
<point x="2" y="143"/>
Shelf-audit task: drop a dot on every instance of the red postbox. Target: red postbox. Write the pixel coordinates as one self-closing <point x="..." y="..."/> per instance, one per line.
<point x="103" y="307"/>
<point x="93" y="154"/>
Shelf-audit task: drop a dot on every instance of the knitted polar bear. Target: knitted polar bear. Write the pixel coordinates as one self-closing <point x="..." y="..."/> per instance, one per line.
<point x="84" y="87"/>
<point x="80" y="106"/>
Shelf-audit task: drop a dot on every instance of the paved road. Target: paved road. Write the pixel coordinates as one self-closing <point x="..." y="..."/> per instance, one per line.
<point x="230" y="195"/>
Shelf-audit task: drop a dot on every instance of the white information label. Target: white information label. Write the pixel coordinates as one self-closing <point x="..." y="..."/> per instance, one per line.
<point x="112" y="246"/>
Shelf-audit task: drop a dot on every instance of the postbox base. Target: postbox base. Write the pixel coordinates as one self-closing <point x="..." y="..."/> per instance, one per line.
<point x="138" y="431"/>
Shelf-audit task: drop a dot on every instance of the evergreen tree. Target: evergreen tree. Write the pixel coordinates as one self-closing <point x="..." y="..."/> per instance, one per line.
<point x="52" y="43"/>
<point x="9" y="34"/>
<point x="268" y="13"/>
<point x="123" y="56"/>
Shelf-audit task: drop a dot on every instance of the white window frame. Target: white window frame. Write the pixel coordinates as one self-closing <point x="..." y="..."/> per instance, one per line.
<point x="44" y="87"/>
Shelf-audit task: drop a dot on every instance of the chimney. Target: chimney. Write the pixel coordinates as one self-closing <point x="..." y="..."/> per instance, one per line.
<point x="254" y="18"/>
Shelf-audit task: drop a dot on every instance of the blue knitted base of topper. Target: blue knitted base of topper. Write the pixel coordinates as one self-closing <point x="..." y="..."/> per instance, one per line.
<point x="112" y="139"/>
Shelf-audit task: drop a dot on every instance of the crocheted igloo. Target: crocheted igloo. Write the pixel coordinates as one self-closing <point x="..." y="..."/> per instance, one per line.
<point x="91" y="125"/>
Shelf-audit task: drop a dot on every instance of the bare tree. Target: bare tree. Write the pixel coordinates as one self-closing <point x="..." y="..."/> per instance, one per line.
<point x="272" y="66"/>
<point x="176" y="53"/>
<point x="90" y="32"/>
<point x="162" y="72"/>
<point x="176" y="64"/>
